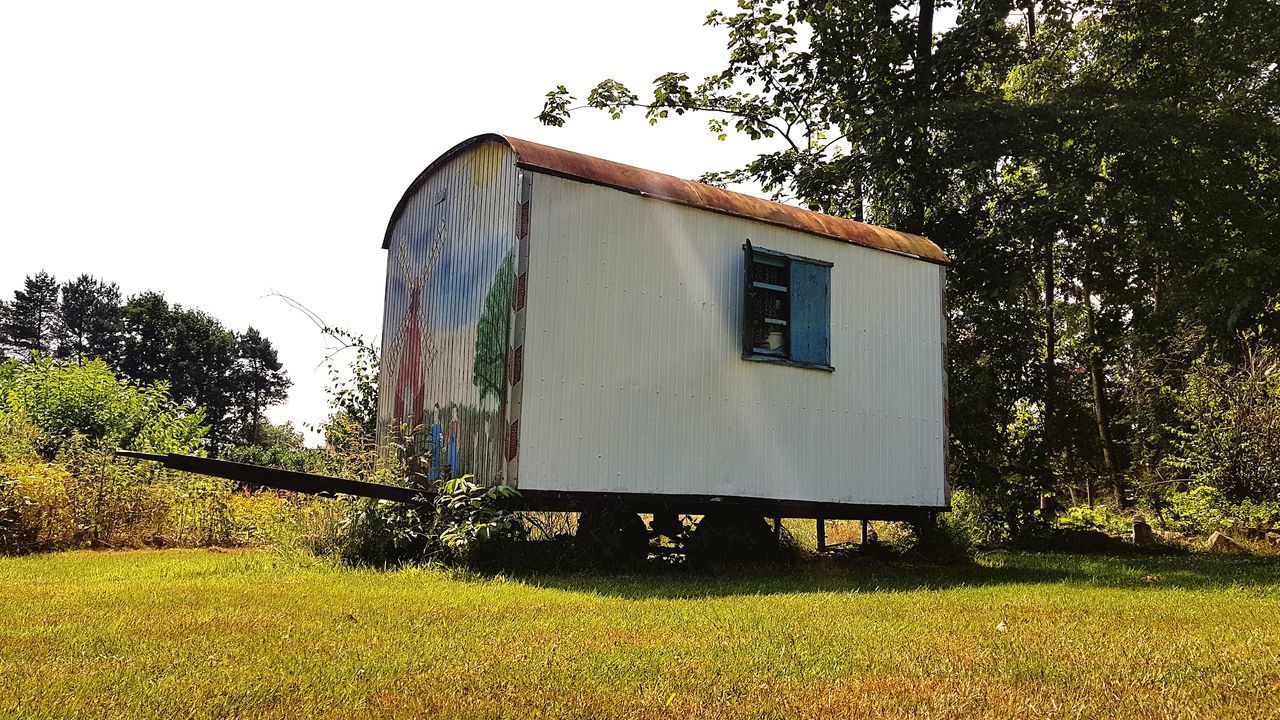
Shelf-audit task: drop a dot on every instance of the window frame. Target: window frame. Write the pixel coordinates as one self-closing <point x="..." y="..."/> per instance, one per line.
<point x="750" y="285"/>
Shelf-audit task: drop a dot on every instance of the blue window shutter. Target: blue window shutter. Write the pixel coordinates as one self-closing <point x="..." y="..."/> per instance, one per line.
<point x="810" y="313"/>
<point x="747" y="253"/>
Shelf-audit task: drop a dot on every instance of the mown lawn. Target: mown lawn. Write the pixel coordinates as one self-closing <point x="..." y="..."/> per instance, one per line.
<point x="254" y="634"/>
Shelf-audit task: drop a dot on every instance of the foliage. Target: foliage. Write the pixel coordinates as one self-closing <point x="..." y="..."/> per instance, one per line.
<point x="990" y="518"/>
<point x="1102" y="518"/>
<point x="1228" y="434"/>
<point x="470" y="515"/>
<point x="1206" y="509"/>
<point x="381" y="533"/>
<point x="281" y="446"/>
<point x="88" y="403"/>
<point x="30" y="322"/>
<point x="353" y="389"/>
<point x="61" y="487"/>
<point x="92" y="320"/>
<point x="461" y="521"/>
<point x="232" y="376"/>
<point x="259" y="381"/>
<point x="148" y="338"/>
<point x="85" y="497"/>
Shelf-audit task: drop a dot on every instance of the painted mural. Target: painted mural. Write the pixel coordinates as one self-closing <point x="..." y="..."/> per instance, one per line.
<point x="447" y="315"/>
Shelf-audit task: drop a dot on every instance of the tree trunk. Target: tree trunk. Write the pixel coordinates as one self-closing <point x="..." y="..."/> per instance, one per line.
<point x="924" y="49"/>
<point x="1031" y="24"/>
<point x="1101" y="413"/>
<point x="1050" y="355"/>
<point x="924" y="107"/>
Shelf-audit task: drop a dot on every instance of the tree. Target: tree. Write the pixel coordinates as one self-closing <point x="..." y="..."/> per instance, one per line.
<point x="259" y="381"/>
<point x="202" y="367"/>
<point x="92" y="320"/>
<point x="31" y="321"/>
<point x="147" y="353"/>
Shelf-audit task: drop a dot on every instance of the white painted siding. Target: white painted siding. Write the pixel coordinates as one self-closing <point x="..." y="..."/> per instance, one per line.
<point x="634" y="380"/>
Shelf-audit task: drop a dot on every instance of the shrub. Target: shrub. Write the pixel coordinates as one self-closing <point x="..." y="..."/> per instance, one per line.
<point x="63" y="400"/>
<point x="280" y="446"/>
<point x="994" y="516"/>
<point x="1206" y="509"/>
<point x="469" y="515"/>
<point x="85" y="497"/>
<point x="1100" y="518"/>
<point x="463" y="519"/>
<point x="1228" y="434"/>
<point x="380" y="533"/>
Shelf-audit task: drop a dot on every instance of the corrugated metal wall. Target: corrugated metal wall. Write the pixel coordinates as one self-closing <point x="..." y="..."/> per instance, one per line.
<point x="450" y="267"/>
<point x="633" y="374"/>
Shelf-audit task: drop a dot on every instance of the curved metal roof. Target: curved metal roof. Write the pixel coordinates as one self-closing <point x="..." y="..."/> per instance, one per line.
<point x="585" y="168"/>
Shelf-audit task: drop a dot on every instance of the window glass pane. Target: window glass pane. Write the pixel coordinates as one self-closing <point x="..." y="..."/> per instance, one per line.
<point x="768" y="321"/>
<point x="768" y="272"/>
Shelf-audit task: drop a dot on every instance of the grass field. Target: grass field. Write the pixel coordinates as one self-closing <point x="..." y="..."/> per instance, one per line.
<point x="254" y="634"/>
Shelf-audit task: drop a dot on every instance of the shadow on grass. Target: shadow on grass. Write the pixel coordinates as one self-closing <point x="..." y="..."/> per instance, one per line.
<point x="1190" y="571"/>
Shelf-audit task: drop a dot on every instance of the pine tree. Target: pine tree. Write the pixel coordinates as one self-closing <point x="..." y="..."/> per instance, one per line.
<point x="31" y="321"/>
<point x="259" y="381"/>
<point x="92" y="319"/>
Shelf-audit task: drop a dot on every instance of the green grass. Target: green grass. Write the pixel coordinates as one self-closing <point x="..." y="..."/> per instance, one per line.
<point x="205" y="634"/>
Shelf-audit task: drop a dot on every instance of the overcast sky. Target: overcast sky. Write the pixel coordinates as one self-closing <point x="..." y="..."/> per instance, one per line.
<point x="220" y="152"/>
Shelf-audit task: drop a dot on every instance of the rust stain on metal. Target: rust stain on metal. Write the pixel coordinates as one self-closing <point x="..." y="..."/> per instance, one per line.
<point x="669" y="188"/>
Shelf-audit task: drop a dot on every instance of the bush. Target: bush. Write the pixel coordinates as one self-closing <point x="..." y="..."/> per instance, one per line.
<point x="64" y="400"/>
<point x="461" y="523"/>
<point x="1228" y="435"/>
<point x="280" y="446"/>
<point x="994" y="517"/>
<point x="380" y="533"/>
<point x="1100" y="518"/>
<point x="85" y="497"/>
<point x="1206" y="509"/>
<point x="469" y="516"/>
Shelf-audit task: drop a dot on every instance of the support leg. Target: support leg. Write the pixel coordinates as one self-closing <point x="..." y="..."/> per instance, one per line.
<point x="822" y="535"/>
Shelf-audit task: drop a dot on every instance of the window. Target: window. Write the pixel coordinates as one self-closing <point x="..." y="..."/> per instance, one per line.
<point x="788" y="309"/>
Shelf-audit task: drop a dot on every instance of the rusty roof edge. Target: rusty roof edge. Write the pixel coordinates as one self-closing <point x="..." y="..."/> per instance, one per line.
<point x="943" y="259"/>
<point x="668" y="188"/>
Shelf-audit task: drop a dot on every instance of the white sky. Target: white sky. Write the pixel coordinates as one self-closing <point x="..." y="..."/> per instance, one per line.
<point x="218" y="153"/>
<point x="221" y="152"/>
